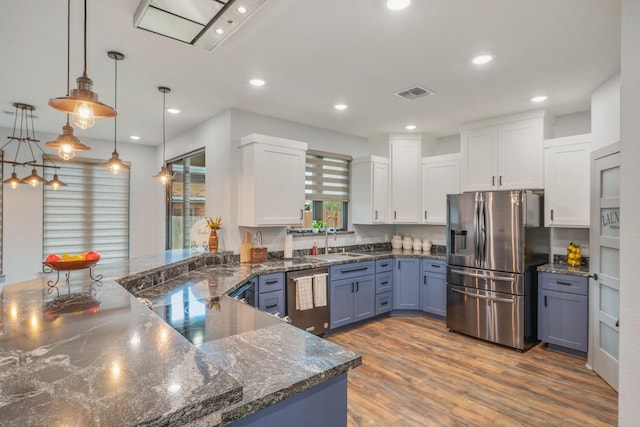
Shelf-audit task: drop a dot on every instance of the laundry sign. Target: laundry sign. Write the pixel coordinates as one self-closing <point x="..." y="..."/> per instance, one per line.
<point x="610" y="222"/>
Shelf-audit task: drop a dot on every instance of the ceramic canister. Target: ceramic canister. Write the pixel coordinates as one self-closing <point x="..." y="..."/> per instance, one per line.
<point x="417" y="244"/>
<point x="426" y="246"/>
<point x="396" y="241"/>
<point x="407" y="242"/>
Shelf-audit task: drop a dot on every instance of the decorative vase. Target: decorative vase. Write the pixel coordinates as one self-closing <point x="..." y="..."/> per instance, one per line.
<point x="407" y="243"/>
<point x="396" y="241"/>
<point x="213" y="241"/>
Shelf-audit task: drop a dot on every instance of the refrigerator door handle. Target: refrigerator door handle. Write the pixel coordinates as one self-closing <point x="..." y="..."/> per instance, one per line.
<point x="476" y="235"/>
<point x="474" y="295"/>
<point x="482" y="276"/>
<point x="482" y="232"/>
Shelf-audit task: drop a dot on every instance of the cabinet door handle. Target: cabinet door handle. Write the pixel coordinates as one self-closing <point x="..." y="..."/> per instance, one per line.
<point x="376" y="215"/>
<point x="352" y="287"/>
<point x="545" y="300"/>
<point x="563" y="283"/>
<point x="551" y="214"/>
<point x="425" y="214"/>
<point x="618" y="323"/>
<point x="493" y="181"/>
<point x="357" y="286"/>
<point x="301" y="214"/>
<point x="395" y="214"/>
<point x="500" y="180"/>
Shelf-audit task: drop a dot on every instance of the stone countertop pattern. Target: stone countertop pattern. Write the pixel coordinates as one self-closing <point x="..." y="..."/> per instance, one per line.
<point x="564" y="269"/>
<point x="66" y="361"/>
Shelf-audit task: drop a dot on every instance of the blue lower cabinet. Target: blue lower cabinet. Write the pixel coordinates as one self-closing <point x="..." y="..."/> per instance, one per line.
<point x="406" y="284"/>
<point x="351" y="300"/>
<point x="271" y="297"/>
<point x="433" y="292"/>
<point x="384" y="302"/>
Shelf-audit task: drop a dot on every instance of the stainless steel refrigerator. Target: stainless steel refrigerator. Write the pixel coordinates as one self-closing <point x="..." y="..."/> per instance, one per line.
<point x="495" y="241"/>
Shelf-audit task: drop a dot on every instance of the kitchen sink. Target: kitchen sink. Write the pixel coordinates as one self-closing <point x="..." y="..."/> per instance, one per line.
<point x="337" y="256"/>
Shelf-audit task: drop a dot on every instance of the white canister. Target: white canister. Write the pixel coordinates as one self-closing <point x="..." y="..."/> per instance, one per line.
<point x="426" y="246"/>
<point x="396" y="241"/>
<point x="417" y="244"/>
<point x="407" y="243"/>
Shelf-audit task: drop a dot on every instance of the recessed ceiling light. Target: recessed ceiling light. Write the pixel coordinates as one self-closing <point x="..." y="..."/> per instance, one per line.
<point x="340" y="106"/>
<point x="398" y="4"/>
<point x="219" y="31"/>
<point x="485" y="58"/>
<point x="539" y="98"/>
<point x="134" y="137"/>
<point x="173" y="111"/>
<point x="242" y="9"/>
<point x="410" y="127"/>
<point x="256" y="82"/>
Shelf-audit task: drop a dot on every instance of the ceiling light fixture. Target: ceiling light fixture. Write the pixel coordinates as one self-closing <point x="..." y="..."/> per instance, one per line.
<point x="483" y="59"/>
<point x="82" y="103"/>
<point x="114" y="163"/>
<point x="134" y="137"/>
<point x="173" y="111"/>
<point x="410" y="127"/>
<point x="164" y="176"/>
<point x="26" y="137"/>
<point x="67" y="144"/>
<point x="539" y="98"/>
<point x="257" y="82"/>
<point x="204" y="24"/>
<point x="340" y="106"/>
<point x="398" y="4"/>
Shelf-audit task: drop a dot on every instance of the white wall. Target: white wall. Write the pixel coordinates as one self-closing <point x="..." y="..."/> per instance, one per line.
<point x="629" y="410"/>
<point x="22" y="222"/>
<point x="605" y="113"/>
<point x="572" y="124"/>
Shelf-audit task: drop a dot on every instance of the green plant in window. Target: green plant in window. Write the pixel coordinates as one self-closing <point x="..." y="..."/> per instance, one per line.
<point x="317" y="225"/>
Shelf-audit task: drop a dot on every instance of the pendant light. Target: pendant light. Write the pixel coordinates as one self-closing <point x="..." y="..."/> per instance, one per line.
<point x="164" y="176"/>
<point x="66" y="143"/>
<point x="114" y="163"/>
<point x="82" y="103"/>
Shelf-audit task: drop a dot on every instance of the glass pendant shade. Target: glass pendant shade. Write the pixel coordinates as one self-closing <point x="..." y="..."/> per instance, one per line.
<point x="14" y="181"/>
<point x="67" y="144"/>
<point x="164" y="176"/>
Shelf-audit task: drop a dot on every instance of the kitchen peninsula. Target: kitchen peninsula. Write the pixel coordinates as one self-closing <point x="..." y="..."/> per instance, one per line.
<point x="90" y="353"/>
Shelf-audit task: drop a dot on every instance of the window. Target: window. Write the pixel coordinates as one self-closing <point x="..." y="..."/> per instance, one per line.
<point x="327" y="189"/>
<point x="1" y="201"/>
<point x="186" y="198"/>
<point x="90" y="213"/>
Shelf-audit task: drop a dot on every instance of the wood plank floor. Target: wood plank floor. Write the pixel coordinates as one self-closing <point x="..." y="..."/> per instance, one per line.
<point x="417" y="373"/>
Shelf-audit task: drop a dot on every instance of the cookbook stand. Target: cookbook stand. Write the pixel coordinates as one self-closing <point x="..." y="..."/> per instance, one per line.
<point x="68" y="267"/>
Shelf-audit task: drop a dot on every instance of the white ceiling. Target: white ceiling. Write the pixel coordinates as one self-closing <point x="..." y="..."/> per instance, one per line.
<point x="314" y="54"/>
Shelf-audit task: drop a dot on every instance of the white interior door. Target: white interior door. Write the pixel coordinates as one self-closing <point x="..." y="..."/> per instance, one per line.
<point x="604" y="259"/>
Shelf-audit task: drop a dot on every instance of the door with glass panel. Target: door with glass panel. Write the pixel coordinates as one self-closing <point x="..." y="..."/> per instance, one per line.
<point x="605" y="263"/>
<point x="185" y="199"/>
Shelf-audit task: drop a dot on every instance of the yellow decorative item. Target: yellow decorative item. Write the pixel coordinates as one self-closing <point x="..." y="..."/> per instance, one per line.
<point x="214" y="225"/>
<point x="574" y="255"/>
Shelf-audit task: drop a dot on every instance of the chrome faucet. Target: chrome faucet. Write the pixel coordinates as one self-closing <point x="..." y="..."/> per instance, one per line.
<point x="326" y="233"/>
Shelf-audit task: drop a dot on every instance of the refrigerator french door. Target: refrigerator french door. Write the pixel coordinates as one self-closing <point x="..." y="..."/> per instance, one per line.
<point x="495" y="241"/>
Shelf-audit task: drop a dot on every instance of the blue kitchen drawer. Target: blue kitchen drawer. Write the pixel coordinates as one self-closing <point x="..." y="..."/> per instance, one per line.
<point x="347" y="271"/>
<point x="271" y="282"/>
<point x="434" y="266"/>
<point x="384" y="302"/>
<point x="383" y="265"/>
<point x="564" y="283"/>
<point x="384" y="282"/>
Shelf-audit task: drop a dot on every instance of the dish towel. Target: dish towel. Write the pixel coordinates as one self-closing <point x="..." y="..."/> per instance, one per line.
<point x="304" y="293"/>
<point x="320" y="290"/>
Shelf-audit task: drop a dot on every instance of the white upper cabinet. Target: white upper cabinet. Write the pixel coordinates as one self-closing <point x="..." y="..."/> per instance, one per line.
<point x="404" y="188"/>
<point x="504" y="153"/>
<point x="566" y="181"/>
<point x="440" y="176"/>
<point x="369" y="190"/>
<point x="271" y="187"/>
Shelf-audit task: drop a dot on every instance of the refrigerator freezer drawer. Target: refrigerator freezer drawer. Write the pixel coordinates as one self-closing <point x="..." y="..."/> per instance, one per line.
<point x="491" y="316"/>
<point x="496" y="281"/>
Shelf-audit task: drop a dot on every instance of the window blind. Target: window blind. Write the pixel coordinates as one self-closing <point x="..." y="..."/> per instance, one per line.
<point x="91" y="213"/>
<point x="327" y="176"/>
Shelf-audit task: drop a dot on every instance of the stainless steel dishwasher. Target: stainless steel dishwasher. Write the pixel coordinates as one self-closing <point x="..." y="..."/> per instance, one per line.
<point x="314" y="320"/>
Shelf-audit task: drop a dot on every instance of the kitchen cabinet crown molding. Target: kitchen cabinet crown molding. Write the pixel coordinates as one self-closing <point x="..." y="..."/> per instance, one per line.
<point x="495" y="121"/>
<point x="568" y="140"/>
<point x="273" y="140"/>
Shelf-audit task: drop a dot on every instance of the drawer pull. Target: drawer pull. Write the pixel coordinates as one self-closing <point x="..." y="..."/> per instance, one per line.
<point x="272" y="306"/>
<point x="384" y="283"/>
<point x="384" y="265"/>
<point x="271" y="282"/>
<point x="563" y="283"/>
<point x="436" y="265"/>
<point x="354" y="270"/>
<point x="384" y="303"/>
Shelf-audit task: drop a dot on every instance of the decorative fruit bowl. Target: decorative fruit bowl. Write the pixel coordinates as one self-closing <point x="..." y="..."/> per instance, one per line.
<point x="71" y="265"/>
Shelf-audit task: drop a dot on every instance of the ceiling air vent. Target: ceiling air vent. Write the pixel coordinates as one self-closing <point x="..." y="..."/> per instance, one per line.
<point x="414" y="93"/>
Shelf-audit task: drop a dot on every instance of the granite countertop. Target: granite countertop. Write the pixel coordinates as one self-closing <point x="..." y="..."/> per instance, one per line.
<point x="564" y="269"/>
<point x="92" y="354"/>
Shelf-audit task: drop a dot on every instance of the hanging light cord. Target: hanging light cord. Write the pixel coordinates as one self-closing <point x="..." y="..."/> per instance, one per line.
<point x="164" y="142"/>
<point x="115" y="105"/>
<point x="84" y="72"/>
